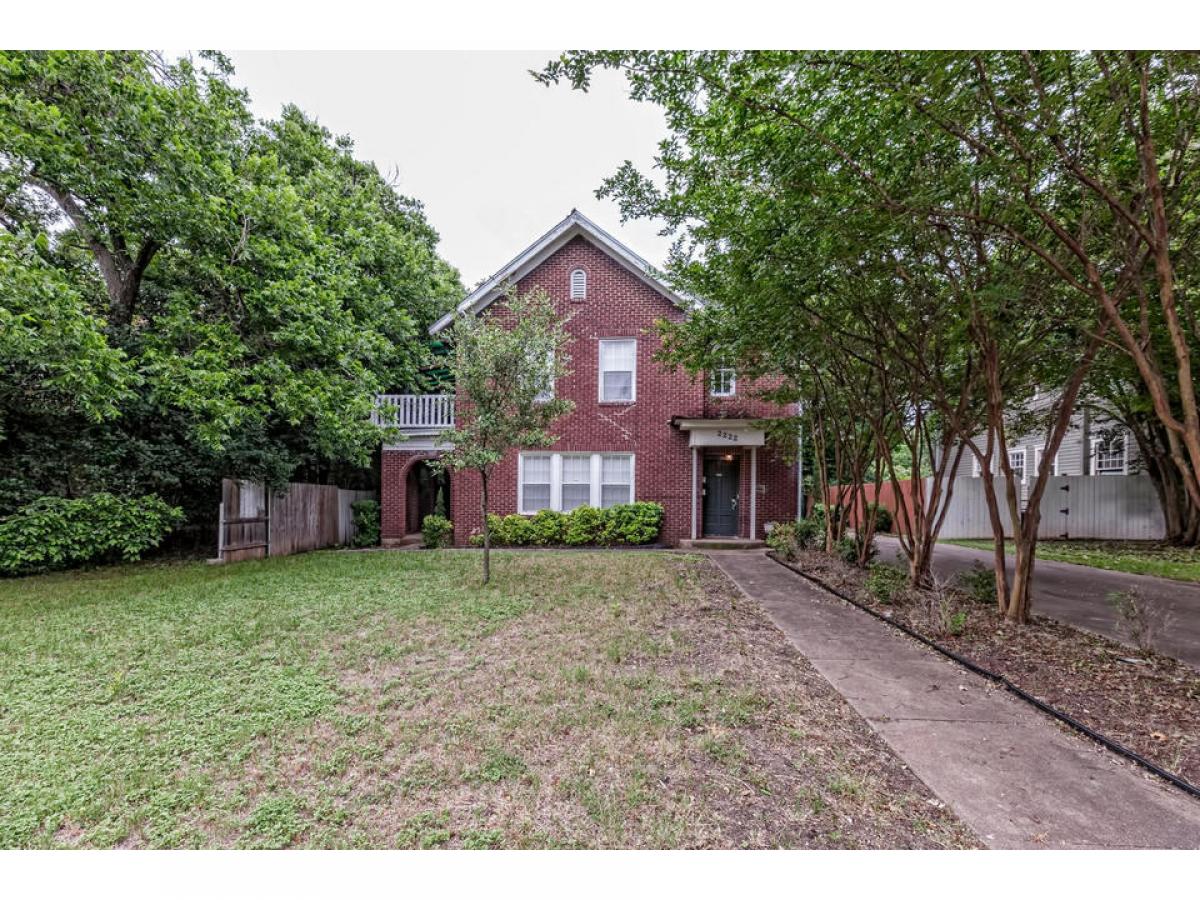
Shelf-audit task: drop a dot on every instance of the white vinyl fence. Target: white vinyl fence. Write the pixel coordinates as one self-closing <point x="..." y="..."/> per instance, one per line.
<point x="1109" y="507"/>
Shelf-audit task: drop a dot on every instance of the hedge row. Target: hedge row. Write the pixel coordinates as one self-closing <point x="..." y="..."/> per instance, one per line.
<point x="628" y="523"/>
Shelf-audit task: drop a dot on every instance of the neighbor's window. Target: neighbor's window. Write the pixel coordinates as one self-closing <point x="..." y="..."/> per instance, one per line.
<point x="723" y="382"/>
<point x="1110" y="456"/>
<point x="579" y="285"/>
<point x="576" y="481"/>
<point x="616" y="480"/>
<point x="535" y="482"/>
<point x="1016" y="462"/>
<point x="618" y="371"/>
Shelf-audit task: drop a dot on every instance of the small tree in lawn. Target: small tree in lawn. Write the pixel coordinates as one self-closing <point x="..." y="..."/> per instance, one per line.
<point x="505" y="365"/>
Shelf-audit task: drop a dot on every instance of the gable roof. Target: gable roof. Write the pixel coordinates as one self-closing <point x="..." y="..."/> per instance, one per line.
<point x="574" y="225"/>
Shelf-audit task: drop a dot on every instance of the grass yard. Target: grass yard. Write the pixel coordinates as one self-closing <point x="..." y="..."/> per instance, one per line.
<point x="1134" y="557"/>
<point x="384" y="700"/>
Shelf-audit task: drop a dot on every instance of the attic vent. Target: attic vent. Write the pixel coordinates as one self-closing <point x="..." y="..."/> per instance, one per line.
<point x="579" y="285"/>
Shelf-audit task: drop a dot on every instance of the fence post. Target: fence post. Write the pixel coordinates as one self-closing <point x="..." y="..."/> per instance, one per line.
<point x="221" y="531"/>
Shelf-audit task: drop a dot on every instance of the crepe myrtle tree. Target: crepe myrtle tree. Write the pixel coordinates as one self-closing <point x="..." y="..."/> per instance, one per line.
<point x="504" y="368"/>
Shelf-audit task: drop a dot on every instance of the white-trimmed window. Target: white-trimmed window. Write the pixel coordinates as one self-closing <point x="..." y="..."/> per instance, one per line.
<point x="723" y="382"/>
<point x="565" y="481"/>
<point x="1110" y="456"/>
<point x="1016" y="462"/>
<point x="576" y="481"/>
<point x="579" y="284"/>
<point x="536" y="481"/>
<point x="618" y="371"/>
<point x="548" y="392"/>
<point x="616" y="479"/>
<point x="1038" y="454"/>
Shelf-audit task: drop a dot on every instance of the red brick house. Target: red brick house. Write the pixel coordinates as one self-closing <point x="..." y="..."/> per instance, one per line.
<point x="638" y="431"/>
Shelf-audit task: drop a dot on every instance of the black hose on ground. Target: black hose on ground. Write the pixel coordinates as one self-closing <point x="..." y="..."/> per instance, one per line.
<point x="1120" y="749"/>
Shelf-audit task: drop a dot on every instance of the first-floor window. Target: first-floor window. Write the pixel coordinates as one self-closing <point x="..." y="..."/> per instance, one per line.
<point x="566" y="481"/>
<point x="1016" y="462"/>
<point x="576" y="481"/>
<point x="616" y="480"/>
<point x="1110" y="456"/>
<point x="535" y="482"/>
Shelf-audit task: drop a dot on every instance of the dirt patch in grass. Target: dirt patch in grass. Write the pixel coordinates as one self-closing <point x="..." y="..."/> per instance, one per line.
<point x="1146" y="701"/>
<point x="655" y="708"/>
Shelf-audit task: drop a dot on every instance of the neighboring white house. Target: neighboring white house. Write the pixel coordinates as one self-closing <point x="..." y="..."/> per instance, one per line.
<point x="1093" y="445"/>
<point x="1081" y="499"/>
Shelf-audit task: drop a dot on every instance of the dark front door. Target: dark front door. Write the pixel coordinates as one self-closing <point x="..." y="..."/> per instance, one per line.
<point x="721" y="486"/>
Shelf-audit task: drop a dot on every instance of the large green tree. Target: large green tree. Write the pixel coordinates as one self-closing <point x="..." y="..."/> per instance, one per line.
<point x="813" y="191"/>
<point x="226" y="296"/>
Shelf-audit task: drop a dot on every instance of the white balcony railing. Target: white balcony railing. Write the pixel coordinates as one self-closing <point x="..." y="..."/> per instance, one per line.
<point x="415" y="412"/>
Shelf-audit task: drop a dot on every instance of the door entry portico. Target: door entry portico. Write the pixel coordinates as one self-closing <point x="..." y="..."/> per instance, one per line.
<point x="722" y="485"/>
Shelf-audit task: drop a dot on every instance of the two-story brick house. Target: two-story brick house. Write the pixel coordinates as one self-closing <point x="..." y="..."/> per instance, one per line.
<point x="638" y="430"/>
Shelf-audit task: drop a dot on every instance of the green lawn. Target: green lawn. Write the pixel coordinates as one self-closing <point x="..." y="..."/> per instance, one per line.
<point x="1137" y="558"/>
<point x="385" y="700"/>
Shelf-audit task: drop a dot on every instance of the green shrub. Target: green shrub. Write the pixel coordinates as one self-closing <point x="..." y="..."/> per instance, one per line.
<point x="548" y="527"/>
<point x="436" y="530"/>
<point x="585" y="525"/>
<point x="809" y="532"/>
<point x="632" y="523"/>
<point x="57" y="533"/>
<point x="628" y="523"/>
<point x="847" y="549"/>
<point x="782" y="539"/>
<point x="886" y="583"/>
<point x="366" y="522"/>
<point x="978" y="583"/>
<point x="883" y="517"/>
<point x="819" y="513"/>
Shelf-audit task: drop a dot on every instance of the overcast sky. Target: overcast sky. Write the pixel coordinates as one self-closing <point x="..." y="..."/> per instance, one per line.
<point x="496" y="158"/>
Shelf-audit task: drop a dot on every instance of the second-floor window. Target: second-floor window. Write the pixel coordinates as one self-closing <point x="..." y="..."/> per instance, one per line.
<point x="618" y="371"/>
<point x="723" y="382"/>
<point x="1110" y="456"/>
<point x="547" y="391"/>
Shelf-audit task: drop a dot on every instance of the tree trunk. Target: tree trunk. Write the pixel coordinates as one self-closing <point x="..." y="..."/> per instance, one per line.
<point x="487" y="531"/>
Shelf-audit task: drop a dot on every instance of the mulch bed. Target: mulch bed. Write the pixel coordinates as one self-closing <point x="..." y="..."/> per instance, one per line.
<point x="1144" y="700"/>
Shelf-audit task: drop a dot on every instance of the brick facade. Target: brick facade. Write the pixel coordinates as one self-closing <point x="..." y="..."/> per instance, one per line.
<point x="618" y="305"/>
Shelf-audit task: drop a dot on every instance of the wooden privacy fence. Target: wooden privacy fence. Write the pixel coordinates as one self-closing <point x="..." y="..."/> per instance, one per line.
<point x="256" y="522"/>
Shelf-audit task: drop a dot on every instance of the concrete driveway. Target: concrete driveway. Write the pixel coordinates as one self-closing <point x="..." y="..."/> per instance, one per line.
<point x="1077" y="595"/>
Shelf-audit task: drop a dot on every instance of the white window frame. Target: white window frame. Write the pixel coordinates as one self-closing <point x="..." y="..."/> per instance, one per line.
<point x="1012" y="454"/>
<point x="1101" y="447"/>
<point x="578" y="286"/>
<point x="600" y="369"/>
<point x="547" y="395"/>
<point x="1038" y="454"/>
<point x="717" y="373"/>
<point x="595" y="491"/>
<point x="598" y="480"/>
<point x="521" y="483"/>
<point x="591" y="482"/>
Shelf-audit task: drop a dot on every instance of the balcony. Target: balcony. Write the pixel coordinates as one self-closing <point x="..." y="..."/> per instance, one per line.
<point x="415" y="413"/>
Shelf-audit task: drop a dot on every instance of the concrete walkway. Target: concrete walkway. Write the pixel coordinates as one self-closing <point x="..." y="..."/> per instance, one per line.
<point x="1009" y="772"/>
<point x="1078" y="595"/>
